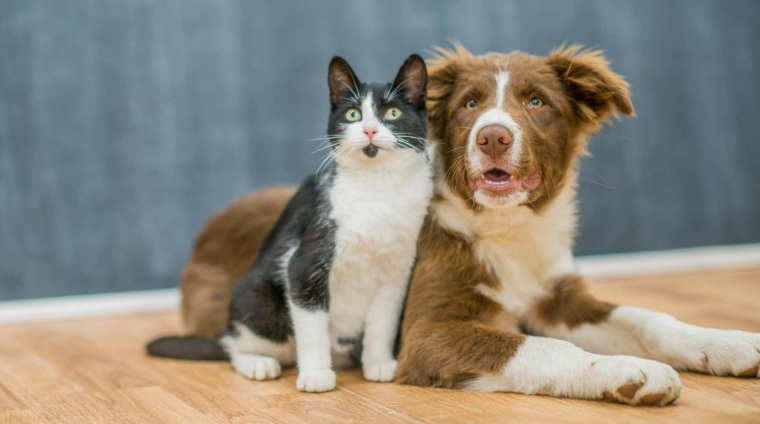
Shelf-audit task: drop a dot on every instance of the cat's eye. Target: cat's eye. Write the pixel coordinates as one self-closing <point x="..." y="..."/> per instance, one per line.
<point x="471" y="104"/>
<point x="353" y="114"/>
<point x="392" y="113"/>
<point x="535" y="102"/>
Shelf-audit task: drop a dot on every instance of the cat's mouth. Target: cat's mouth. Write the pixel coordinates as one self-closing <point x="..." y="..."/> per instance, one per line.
<point x="370" y="150"/>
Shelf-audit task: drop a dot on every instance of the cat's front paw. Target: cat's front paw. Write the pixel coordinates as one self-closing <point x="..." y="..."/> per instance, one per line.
<point x="315" y="381"/>
<point x="381" y="371"/>
<point x="256" y="367"/>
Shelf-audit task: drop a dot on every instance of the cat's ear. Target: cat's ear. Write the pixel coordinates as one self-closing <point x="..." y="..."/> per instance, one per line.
<point x="412" y="80"/>
<point x="342" y="80"/>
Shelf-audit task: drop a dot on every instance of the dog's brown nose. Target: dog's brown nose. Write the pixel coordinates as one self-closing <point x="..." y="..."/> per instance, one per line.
<point x="494" y="140"/>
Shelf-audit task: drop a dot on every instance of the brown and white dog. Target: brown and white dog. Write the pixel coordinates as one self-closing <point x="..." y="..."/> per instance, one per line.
<point x="495" y="256"/>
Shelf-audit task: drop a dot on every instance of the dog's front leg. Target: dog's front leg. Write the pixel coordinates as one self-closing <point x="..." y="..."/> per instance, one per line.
<point x="571" y="314"/>
<point x="473" y="356"/>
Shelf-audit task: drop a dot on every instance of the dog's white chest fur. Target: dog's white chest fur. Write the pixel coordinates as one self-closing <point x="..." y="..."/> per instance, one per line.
<point x="378" y="216"/>
<point x="525" y="250"/>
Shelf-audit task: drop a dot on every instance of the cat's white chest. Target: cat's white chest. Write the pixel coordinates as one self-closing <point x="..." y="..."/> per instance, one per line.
<point x="378" y="217"/>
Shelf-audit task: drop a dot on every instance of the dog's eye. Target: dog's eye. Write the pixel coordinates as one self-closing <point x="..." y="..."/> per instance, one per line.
<point x="353" y="115"/>
<point x="471" y="104"/>
<point x="535" y="102"/>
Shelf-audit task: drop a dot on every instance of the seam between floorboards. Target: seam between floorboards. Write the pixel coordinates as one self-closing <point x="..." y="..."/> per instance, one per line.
<point x="393" y="411"/>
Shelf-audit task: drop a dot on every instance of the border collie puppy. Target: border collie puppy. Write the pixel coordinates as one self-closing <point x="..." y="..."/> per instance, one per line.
<point x="495" y="266"/>
<point x="329" y="283"/>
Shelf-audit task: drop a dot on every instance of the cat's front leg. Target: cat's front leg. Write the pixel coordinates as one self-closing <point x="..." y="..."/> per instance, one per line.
<point x="309" y="300"/>
<point x="312" y="336"/>
<point x="383" y="316"/>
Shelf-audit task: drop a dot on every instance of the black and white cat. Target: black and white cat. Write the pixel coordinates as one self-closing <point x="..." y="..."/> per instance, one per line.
<point x="331" y="277"/>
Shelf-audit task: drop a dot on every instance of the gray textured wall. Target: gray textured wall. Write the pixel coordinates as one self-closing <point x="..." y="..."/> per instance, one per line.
<point x="124" y="123"/>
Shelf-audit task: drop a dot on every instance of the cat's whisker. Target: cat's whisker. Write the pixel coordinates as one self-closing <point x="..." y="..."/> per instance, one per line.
<point x="414" y="137"/>
<point x="354" y="94"/>
<point x="395" y="90"/>
<point x="329" y="146"/>
<point x="325" y="163"/>
<point x="327" y="137"/>
<point x="410" y="145"/>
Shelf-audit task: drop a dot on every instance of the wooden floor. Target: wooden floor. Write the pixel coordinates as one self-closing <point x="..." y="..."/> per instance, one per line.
<point x="96" y="371"/>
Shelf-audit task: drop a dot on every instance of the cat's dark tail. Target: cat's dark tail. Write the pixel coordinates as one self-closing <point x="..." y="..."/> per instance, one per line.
<point x="187" y="347"/>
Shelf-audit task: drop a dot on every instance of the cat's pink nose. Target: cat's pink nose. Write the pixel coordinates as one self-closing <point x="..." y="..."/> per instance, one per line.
<point x="370" y="131"/>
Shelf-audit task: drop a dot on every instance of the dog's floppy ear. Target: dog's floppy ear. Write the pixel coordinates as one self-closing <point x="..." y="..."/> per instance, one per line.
<point x="443" y="70"/>
<point x="342" y="80"/>
<point x="597" y="91"/>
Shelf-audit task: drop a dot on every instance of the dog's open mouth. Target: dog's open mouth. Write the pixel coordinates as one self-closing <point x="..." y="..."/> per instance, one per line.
<point x="498" y="180"/>
<point x="497" y="176"/>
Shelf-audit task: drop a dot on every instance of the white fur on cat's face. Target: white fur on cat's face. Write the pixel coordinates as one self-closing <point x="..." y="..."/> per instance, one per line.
<point x="349" y="151"/>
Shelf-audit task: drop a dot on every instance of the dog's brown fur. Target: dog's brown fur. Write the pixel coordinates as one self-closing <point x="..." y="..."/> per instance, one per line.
<point x="446" y="314"/>
<point x="571" y="304"/>
<point x="223" y="252"/>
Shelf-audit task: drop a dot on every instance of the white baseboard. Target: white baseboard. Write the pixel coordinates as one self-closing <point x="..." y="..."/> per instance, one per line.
<point x="669" y="261"/>
<point x="85" y="306"/>
<point x="595" y="267"/>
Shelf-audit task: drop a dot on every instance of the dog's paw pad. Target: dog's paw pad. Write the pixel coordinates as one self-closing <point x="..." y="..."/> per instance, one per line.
<point x="629" y="390"/>
<point x="653" y="399"/>
<point x="752" y="372"/>
<point x="316" y="381"/>
<point x="637" y="381"/>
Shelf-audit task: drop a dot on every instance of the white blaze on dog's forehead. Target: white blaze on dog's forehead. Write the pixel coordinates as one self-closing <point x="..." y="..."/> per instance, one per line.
<point x="496" y="115"/>
<point x="502" y="79"/>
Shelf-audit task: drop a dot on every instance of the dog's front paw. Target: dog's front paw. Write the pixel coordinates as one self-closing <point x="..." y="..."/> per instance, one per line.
<point x="635" y="381"/>
<point x="726" y="352"/>
<point x="380" y="370"/>
<point x="315" y="381"/>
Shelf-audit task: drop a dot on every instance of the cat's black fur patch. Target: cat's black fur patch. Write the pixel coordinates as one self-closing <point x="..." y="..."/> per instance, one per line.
<point x="259" y="301"/>
<point x="370" y="151"/>
<point x="309" y="268"/>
